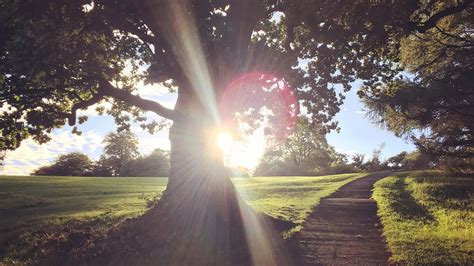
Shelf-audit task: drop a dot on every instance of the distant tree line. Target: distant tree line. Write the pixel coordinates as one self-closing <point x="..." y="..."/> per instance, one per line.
<point x="306" y="152"/>
<point x="120" y="158"/>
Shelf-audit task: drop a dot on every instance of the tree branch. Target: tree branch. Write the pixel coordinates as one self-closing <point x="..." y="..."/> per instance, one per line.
<point x="452" y="35"/>
<point x="108" y="90"/>
<point x="433" y="20"/>
<point x="83" y="104"/>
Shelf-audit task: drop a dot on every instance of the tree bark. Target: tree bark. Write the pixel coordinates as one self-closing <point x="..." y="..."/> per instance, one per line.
<point x="200" y="219"/>
<point x="207" y="221"/>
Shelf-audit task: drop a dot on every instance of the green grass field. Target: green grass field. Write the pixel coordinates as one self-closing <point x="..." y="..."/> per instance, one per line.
<point x="428" y="218"/>
<point x="33" y="208"/>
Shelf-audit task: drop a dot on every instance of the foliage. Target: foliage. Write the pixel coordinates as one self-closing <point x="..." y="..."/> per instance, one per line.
<point x="375" y="164"/>
<point x="240" y="171"/>
<point x="47" y="72"/>
<point x="415" y="160"/>
<point x="358" y="161"/>
<point x="427" y="217"/>
<point x="98" y="203"/>
<point x="120" y="158"/>
<point x="304" y="152"/>
<point x="435" y="93"/>
<point x="71" y="164"/>
<point x="461" y="166"/>
<point x="120" y="148"/>
<point x="103" y="49"/>
<point x="155" y="164"/>
<point x="396" y="162"/>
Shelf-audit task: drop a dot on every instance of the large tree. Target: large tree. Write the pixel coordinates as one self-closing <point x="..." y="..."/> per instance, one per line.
<point x="57" y="57"/>
<point x="304" y="152"/>
<point x="120" y="148"/>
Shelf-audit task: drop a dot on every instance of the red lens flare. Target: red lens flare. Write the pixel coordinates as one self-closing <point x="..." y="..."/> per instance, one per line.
<point x="256" y="98"/>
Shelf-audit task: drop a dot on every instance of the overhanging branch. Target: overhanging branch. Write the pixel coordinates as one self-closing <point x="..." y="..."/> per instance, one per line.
<point x="108" y="90"/>
<point x="433" y="20"/>
<point x="81" y="105"/>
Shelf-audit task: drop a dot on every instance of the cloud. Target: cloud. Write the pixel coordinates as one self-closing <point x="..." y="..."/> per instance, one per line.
<point x="150" y="90"/>
<point x="90" y="111"/>
<point x="149" y="142"/>
<point x="360" y="112"/>
<point x="31" y="155"/>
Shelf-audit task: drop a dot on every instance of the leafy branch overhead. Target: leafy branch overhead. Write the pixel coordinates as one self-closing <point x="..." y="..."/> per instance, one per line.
<point x="59" y="57"/>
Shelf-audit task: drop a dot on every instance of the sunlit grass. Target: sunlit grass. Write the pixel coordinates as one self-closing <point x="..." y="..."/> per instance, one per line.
<point x="289" y="198"/>
<point x="33" y="207"/>
<point x="428" y="218"/>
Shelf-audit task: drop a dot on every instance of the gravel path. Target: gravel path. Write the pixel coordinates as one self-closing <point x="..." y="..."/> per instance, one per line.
<point x="344" y="228"/>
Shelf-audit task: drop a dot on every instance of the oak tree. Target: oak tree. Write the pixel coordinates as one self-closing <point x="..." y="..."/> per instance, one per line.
<point x="58" y="57"/>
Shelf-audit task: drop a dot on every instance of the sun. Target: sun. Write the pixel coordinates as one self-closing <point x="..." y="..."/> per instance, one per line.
<point x="241" y="152"/>
<point x="225" y="141"/>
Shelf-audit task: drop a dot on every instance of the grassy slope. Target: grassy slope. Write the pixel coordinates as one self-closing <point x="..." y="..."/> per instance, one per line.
<point x="427" y="218"/>
<point x="290" y="198"/>
<point x="33" y="207"/>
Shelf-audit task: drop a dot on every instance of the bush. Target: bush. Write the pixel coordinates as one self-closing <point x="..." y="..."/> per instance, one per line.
<point x="71" y="164"/>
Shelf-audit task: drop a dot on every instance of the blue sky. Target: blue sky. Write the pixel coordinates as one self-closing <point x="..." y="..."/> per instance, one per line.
<point x="357" y="135"/>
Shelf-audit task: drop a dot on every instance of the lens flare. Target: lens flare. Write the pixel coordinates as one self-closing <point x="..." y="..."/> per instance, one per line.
<point x="259" y="99"/>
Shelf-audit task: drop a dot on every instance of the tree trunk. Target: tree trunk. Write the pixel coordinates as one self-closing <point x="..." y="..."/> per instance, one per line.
<point x="200" y="219"/>
<point x="206" y="220"/>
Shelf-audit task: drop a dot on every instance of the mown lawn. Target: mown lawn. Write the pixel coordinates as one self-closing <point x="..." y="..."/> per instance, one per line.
<point x="428" y="217"/>
<point x="32" y="209"/>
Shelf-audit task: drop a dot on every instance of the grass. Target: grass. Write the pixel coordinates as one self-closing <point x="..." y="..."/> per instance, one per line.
<point x="290" y="198"/>
<point x="34" y="209"/>
<point x="428" y="217"/>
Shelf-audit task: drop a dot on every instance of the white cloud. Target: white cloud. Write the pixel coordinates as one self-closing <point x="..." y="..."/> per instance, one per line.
<point x="149" y="142"/>
<point x="31" y="155"/>
<point x="90" y="111"/>
<point x="151" y="90"/>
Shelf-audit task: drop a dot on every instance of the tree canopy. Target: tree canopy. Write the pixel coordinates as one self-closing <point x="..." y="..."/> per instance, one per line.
<point x="71" y="164"/>
<point x="304" y="152"/>
<point x="155" y="164"/>
<point x="58" y="57"/>
<point x="120" y="148"/>
<point x="432" y="104"/>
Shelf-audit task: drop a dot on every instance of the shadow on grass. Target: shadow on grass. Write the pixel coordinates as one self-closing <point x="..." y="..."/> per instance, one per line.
<point x="406" y="206"/>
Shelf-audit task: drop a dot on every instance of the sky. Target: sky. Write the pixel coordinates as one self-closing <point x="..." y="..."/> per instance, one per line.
<point x="357" y="135"/>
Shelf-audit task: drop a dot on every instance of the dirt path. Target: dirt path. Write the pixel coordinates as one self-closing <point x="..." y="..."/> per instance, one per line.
<point x="344" y="228"/>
